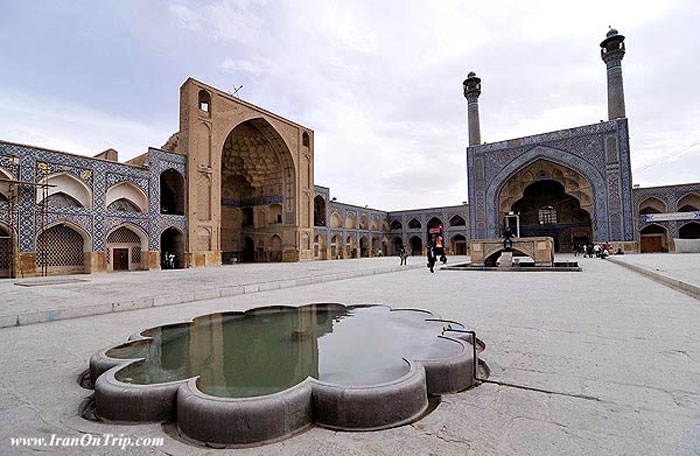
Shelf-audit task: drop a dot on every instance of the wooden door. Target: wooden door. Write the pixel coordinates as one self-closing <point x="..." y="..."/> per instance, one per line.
<point x="651" y="244"/>
<point x="460" y="248"/>
<point x="121" y="259"/>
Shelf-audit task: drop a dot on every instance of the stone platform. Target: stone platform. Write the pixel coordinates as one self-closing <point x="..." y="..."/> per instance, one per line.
<point x="540" y="249"/>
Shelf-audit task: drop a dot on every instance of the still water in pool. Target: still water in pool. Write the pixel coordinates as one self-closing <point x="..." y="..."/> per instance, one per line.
<point x="268" y="350"/>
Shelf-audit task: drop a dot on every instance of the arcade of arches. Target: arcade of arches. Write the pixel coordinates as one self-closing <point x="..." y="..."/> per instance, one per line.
<point x="552" y="201"/>
<point x="655" y="237"/>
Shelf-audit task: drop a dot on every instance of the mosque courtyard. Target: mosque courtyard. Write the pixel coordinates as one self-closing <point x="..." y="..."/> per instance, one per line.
<point x="603" y="361"/>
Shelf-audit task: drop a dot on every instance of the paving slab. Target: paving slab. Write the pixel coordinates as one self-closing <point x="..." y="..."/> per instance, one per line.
<point x="628" y="344"/>
<point x="681" y="270"/>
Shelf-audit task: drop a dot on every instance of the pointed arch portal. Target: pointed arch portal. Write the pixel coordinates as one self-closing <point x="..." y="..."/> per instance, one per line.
<point x="257" y="193"/>
<point x="552" y="200"/>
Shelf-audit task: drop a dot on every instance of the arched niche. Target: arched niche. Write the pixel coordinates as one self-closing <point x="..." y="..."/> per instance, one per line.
<point x="275" y="248"/>
<point x="126" y="196"/>
<point x="416" y="245"/>
<point x="414" y="224"/>
<point x="336" y="247"/>
<point x="364" y="247"/>
<point x="652" y="205"/>
<point x="689" y="203"/>
<point x="5" y="186"/>
<point x="319" y="211"/>
<point x="363" y="223"/>
<point x="6" y="250"/>
<point x="62" y="247"/>
<point x="457" y="220"/>
<point x="172" y="192"/>
<point x="690" y="230"/>
<point x="65" y="190"/>
<point x="172" y="242"/>
<point x="320" y="247"/>
<point x="350" y="222"/>
<point x="127" y="248"/>
<point x="351" y="247"/>
<point x="458" y="244"/>
<point x="204" y="101"/>
<point x="336" y="220"/>
<point x="396" y="244"/>
<point x="258" y="175"/>
<point x="572" y="181"/>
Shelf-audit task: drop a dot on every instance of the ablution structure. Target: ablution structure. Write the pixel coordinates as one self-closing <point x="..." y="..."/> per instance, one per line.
<point x="236" y="183"/>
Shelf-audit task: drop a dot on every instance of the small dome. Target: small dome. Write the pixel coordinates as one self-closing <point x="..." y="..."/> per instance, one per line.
<point x="471" y="74"/>
<point x="612" y="32"/>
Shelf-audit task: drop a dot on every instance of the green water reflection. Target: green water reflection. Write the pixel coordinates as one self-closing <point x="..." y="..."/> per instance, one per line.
<point x="271" y="349"/>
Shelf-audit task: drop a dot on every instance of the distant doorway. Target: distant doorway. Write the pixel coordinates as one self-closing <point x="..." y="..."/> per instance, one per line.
<point x="459" y="244"/>
<point x="172" y="249"/>
<point x="121" y="259"/>
<point x="248" y="252"/>
<point x="416" y="245"/>
<point x="653" y="238"/>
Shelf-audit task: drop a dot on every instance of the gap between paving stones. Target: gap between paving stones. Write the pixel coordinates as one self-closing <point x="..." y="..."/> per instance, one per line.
<point x="664" y="279"/>
<point x="66" y="313"/>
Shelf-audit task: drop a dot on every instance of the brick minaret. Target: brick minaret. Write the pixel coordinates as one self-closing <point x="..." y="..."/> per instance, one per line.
<point x="472" y="90"/>
<point x="612" y="52"/>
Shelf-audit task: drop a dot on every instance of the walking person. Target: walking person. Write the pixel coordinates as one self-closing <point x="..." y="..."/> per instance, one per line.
<point x="508" y="238"/>
<point x="431" y="259"/>
<point x="403" y="255"/>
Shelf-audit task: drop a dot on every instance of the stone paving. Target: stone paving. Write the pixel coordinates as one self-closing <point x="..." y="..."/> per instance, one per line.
<point x="616" y="355"/>
<point x="684" y="267"/>
<point x="114" y="292"/>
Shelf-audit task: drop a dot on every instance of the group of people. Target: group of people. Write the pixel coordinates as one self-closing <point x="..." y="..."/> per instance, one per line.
<point x="168" y="260"/>
<point x="601" y="251"/>
<point x="431" y="253"/>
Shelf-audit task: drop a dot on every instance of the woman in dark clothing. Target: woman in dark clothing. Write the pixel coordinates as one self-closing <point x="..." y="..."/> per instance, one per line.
<point x="431" y="259"/>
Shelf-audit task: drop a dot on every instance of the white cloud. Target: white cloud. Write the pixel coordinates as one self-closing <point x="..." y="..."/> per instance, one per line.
<point x="221" y="20"/>
<point x="74" y="128"/>
<point x="255" y="66"/>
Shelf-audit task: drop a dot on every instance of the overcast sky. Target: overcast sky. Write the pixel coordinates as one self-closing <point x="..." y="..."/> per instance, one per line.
<point x="380" y="82"/>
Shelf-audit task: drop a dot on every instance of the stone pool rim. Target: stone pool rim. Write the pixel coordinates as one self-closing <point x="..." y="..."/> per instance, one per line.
<point x="256" y="420"/>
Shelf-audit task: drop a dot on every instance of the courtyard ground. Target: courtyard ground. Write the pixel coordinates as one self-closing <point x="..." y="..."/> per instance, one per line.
<point x="615" y="354"/>
<point x="97" y="294"/>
